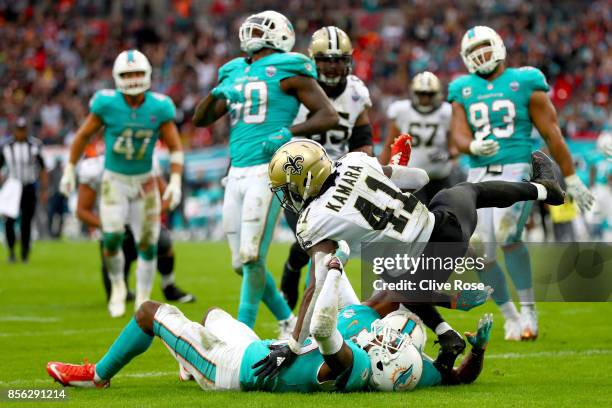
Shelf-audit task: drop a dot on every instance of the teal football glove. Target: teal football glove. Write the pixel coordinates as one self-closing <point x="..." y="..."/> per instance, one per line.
<point x="276" y="140"/>
<point x="480" y="339"/>
<point x="469" y="299"/>
<point x="228" y="93"/>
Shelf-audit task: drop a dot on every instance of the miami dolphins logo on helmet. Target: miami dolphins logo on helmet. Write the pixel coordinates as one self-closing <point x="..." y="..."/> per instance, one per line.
<point x="294" y="165"/>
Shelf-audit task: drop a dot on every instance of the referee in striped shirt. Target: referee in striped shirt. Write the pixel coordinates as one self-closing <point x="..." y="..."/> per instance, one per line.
<point x="22" y="157"/>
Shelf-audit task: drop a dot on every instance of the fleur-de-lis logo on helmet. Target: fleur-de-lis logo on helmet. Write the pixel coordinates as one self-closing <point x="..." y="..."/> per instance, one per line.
<point x="293" y="165"/>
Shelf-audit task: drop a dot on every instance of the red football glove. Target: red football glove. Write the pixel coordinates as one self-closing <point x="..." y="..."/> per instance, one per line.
<point x="401" y="149"/>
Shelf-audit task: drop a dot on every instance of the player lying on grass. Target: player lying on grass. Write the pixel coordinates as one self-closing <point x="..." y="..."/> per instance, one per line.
<point x="223" y="353"/>
<point x="357" y="200"/>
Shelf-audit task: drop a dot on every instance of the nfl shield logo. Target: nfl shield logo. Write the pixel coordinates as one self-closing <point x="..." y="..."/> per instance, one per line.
<point x="514" y="86"/>
<point x="355" y="97"/>
<point x="270" y="71"/>
<point x="467" y="91"/>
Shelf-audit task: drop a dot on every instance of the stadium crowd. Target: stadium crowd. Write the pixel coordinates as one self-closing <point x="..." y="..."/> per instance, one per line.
<point x="55" y="54"/>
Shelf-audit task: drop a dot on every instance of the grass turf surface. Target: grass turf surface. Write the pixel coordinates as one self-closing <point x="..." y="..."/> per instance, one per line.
<point x="54" y="309"/>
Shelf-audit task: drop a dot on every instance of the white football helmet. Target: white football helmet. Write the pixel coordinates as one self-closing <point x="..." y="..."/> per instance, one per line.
<point x="475" y="59"/>
<point x="396" y="363"/>
<point x="132" y="61"/>
<point x="406" y="322"/>
<point x="267" y="29"/>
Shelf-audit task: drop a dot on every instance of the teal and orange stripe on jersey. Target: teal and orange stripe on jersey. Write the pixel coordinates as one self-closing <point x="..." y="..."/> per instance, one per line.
<point x="187" y="351"/>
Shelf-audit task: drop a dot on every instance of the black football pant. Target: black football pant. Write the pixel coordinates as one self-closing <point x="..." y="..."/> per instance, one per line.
<point x="27" y="207"/>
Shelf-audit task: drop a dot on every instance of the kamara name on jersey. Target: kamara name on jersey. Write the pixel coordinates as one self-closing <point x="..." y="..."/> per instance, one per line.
<point x="344" y="188"/>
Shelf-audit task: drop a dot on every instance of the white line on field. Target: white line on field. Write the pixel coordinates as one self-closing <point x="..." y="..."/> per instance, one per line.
<point x="36" y="319"/>
<point x="540" y="354"/>
<point x="60" y="332"/>
<point x="562" y="353"/>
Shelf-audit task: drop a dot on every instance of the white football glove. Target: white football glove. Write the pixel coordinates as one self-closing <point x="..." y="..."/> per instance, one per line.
<point x="68" y="180"/>
<point x="173" y="191"/>
<point x="484" y="147"/>
<point x="579" y="193"/>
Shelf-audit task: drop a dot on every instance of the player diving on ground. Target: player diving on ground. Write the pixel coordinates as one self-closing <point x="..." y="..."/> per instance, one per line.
<point x="357" y="200"/>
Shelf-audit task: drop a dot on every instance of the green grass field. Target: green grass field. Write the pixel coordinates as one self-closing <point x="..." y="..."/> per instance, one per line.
<point x="54" y="309"/>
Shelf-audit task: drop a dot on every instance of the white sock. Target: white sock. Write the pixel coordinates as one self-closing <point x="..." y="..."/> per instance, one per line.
<point x="115" y="264"/>
<point x="145" y="273"/>
<point x="526" y="297"/>
<point x="442" y="328"/>
<point x="509" y="310"/>
<point x="542" y="193"/>
<point x="167" y="280"/>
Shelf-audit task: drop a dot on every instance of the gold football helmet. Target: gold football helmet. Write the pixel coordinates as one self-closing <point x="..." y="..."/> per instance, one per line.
<point x="297" y="172"/>
<point x="330" y="46"/>
<point x="426" y="92"/>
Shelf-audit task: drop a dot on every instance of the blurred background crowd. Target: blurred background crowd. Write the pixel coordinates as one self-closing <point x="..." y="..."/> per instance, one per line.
<point x="55" y="54"/>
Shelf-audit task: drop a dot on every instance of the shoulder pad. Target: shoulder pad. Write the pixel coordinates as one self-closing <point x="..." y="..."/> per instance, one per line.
<point x="533" y="77"/>
<point x="293" y="63"/>
<point x="227" y="68"/>
<point x="361" y="89"/>
<point x="396" y="107"/>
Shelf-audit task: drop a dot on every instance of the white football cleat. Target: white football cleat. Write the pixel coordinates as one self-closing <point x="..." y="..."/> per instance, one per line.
<point x="529" y="323"/>
<point x="285" y="327"/>
<point x="512" y="330"/>
<point x="116" y="303"/>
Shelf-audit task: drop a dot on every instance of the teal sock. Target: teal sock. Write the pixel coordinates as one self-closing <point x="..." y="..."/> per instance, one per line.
<point x="519" y="266"/>
<point x="274" y="300"/>
<point x="251" y="292"/>
<point x="131" y="342"/>
<point x="494" y="277"/>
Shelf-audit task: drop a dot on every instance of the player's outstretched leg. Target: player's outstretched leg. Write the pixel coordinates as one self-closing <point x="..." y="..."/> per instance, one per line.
<point x="519" y="269"/>
<point x="145" y="273"/>
<point x="133" y="340"/>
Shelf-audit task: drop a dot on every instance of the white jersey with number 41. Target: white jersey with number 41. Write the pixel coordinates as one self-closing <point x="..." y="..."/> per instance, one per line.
<point x="363" y="205"/>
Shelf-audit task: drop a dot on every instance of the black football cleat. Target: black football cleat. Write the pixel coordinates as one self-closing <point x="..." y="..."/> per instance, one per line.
<point x="173" y="293"/>
<point x="544" y="174"/>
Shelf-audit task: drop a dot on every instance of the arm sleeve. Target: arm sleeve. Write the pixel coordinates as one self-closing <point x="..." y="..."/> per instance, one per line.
<point x="362" y="136"/>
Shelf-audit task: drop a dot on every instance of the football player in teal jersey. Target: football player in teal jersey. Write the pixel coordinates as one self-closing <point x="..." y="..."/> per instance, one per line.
<point x="262" y="93"/>
<point x="494" y="111"/>
<point x="222" y="353"/>
<point x="133" y="119"/>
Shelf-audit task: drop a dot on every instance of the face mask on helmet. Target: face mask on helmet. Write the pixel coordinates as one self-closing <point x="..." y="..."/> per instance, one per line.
<point x="482" y="50"/>
<point x="268" y="29"/>
<point x="332" y="70"/>
<point x="396" y="363"/>
<point x="132" y="72"/>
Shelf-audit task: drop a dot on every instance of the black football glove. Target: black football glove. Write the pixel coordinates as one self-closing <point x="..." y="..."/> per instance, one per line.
<point x="280" y="356"/>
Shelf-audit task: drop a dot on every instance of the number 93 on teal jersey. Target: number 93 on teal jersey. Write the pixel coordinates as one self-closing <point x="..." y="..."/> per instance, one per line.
<point x="130" y="133"/>
<point x="266" y="109"/>
<point x="499" y="110"/>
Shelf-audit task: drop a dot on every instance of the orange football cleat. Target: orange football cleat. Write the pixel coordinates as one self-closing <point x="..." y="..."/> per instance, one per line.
<point x="401" y="150"/>
<point x="75" y="375"/>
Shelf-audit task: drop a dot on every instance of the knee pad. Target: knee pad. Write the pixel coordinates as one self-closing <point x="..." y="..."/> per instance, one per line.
<point x="164" y="242"/>
<point x="112" y="241"/>
<point x="147" y="252"/>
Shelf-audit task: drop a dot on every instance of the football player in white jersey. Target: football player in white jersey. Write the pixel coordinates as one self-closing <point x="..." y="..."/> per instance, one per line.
<point x="426" y="118"/>
<point x="356" y="200"/>
<point x="332" y="51"/>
